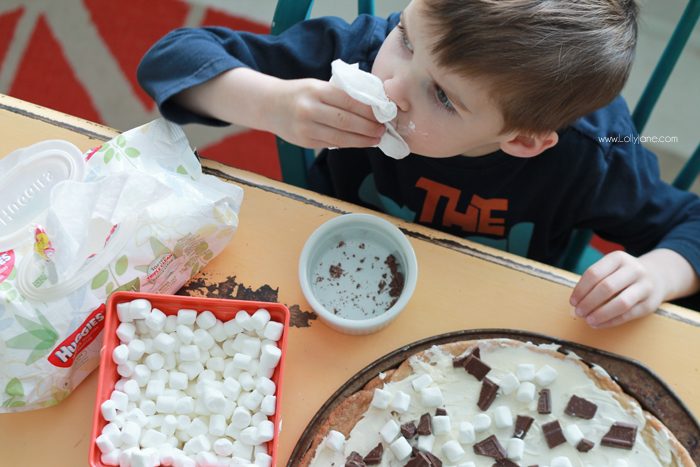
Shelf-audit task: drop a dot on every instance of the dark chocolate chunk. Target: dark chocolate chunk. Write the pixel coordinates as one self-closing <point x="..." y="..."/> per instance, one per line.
<point x="522" y="426"/>
<point x="425" y="425"/>
<point x="544" y="402"/>
<point x="459" y="361"/>
<point x="487" y="394"/>
<point x="490" y="447"/>
<point x="505" y="463"/>
<point x="621" y="435"/>
<point x="476" y="367"/>
<point x="408" y="430"/>
<point x="440" y="411"/>
<point x="424" y="459"/>
<point x="355" y="460"/>
<point x="580" y="407"/>
<point x="374" y="457"/>
<point x="584" y="445"/>
<point x="553" y="434"/>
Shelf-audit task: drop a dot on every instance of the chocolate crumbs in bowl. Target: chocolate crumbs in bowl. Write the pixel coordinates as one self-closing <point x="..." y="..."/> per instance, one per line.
<point x="358" y="279"/>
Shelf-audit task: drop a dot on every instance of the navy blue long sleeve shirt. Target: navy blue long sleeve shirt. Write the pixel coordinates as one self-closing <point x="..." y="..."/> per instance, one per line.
<point x="528" y="206"/>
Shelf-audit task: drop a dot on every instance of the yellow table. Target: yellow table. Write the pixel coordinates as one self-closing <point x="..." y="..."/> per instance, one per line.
<point x="461" y="285"/>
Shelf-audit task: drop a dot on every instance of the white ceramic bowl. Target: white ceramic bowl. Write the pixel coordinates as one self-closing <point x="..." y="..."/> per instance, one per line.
<point x="357" y="271"/>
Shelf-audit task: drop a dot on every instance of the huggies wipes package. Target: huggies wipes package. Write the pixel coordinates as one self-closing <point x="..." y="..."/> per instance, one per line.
<point x="137" y="213"/>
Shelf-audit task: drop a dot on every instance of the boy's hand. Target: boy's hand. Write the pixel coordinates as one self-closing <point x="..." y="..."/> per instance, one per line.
<point x="617" y="288"/>
<point x="315" y="114"/>
<point x="621" y="287"/>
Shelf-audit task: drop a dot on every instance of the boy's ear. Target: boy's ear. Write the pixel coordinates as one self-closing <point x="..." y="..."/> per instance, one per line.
<point x="522" y="145"/>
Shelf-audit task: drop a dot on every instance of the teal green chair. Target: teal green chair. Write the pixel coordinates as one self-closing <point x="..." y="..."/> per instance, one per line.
<point x="295" y="161"/>
<point x="580" y="254"/>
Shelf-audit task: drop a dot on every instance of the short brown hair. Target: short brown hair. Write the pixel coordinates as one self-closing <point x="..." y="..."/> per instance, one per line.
<point x="547" y="62"/>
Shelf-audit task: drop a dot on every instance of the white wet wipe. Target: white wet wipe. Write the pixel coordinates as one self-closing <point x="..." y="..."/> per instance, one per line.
<point x="369" y="89"/>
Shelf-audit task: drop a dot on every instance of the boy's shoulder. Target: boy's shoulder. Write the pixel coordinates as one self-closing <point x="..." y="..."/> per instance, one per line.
<point x="604" y="128"/>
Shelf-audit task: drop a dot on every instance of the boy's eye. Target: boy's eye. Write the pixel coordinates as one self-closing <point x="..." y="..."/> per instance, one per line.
<point x="404" y="38"/>
<point x="443" y="99"/>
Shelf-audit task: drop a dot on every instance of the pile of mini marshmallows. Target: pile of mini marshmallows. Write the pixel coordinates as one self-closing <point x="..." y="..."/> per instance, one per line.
<point x="195" y="391"/>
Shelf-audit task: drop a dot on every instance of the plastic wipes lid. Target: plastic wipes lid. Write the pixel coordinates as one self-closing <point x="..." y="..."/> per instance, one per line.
<point x="26" y="179"/>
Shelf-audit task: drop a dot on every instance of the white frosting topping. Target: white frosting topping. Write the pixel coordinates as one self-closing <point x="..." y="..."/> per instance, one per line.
<point x="460" y="392"/>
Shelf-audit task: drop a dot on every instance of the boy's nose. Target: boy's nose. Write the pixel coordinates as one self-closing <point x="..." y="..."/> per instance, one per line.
<point x="396" y="91"/>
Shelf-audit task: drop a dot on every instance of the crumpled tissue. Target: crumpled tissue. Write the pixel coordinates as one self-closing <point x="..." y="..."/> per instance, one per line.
<point x="369" y="89"/>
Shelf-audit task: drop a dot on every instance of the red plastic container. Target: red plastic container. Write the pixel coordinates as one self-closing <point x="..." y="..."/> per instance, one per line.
<point x="223" y="309"/>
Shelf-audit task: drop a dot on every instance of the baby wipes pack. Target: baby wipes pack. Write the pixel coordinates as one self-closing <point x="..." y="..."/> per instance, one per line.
<point x="137" y="214"/>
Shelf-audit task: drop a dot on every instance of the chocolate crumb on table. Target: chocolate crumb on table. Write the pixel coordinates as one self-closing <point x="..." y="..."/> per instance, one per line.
<point x="335" y="270"/>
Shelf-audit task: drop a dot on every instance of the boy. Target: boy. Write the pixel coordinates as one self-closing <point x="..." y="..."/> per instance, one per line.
<point x="490" y="96"/>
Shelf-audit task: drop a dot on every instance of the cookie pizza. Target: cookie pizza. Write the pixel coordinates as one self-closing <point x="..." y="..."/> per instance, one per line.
<point x="493" y="402"/>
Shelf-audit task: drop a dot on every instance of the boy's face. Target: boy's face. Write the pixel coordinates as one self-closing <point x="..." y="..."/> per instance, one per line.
<point x="440" y="114"/>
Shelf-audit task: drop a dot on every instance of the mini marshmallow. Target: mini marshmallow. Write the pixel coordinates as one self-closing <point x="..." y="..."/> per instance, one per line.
<point x="423" y="381"/>
<point x="126" y="369"/>
<point x="561" y="462"/>
<point x="154" y="421"/>
<point x="217" y="425"/>
<point x="259" y="319"/>
<point x="573" y="434"/>
<point x="215" y="364"/>
<point x="155" y="320"/>
<point x="270" y="356"/>
<point x="401" y="448"/>
<point x="191" y="369"/>
<point x="148" y="407"/>
<point x="109" y="410"/>
<point x="161" y="375"/>
<point x="381" y="398"/>
<point x="206" y="458"/>
<point x="141" y="328"/>
<point x="251" y="401"/>
<point x="155" y="361"/>
<point x="263" y="460"/>
<point x="525" y="372"/>
<point x="184" y="333"/>
<point x="390" y="431"/>
<point x="246" y="380"/>
<point x="335" y="440"/>
<point x="466" y="433"/>
<point x="170" y="324"/>
<point x="515" y="447"/>
<point x="120" y="400"/>
<point x="258" y="418"/>
<point x="203" y="339"/>
<point x="441" y="424"/>
<point x="124" y="312"/>
<point x="481" y="422"/>
<point x="183" y="422"/>
<point x="242" y="361"/>
<point x="189" y="353"/>
<point x="132" y="389"/>
<point x="223" y="447"/>
<point x="164" y="343"/>
<point x="186" y="317"/>
<point x="205" y="319"/>
<point x="425" y="443"/>
<point x="217" y="351"/>
<point x="184" y="405"/>
<point x="166" y="404"/>
<point x="126" y="332"/>
<point x="248" y="345"/>
<point x="244" y="320"/>
<point x="231" y="388"/>
<point x="268" y="405"/>
<point x="273" y="331"/>
<point x="526" y="392"/>
<point x="218" y="332"/>
<point x="400" y="402"/>
<point x="197" y="427"/>
<point x="155" y="388"/>
<point x="141" y="374"/>
<point x="508" y="383"/>
<point x="152" y="438"/>
<point x="131" y="433"/>
<point x="452" y="450"/>
<point x="111" y="458"/>
<point x="140" y="308"/>
<point x="232" y="328"/>
<point x="105" y="444"/>
<point x="502" y="417"/>
<point x="546" y="376"/>
<point x="197" y="444"/>
<point x="265" y="386"/>
<point x="431" y="396"/>
<point x="249" y="435"/>
<point x="120" y="354"/>
<point x="137" y="416"/>
<point x="214" y="400"/>
<point x="177" y="380"/>
<point x="169" y="425"/>
<point x="241" y="418"/>
<point x="266" y="431"/>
